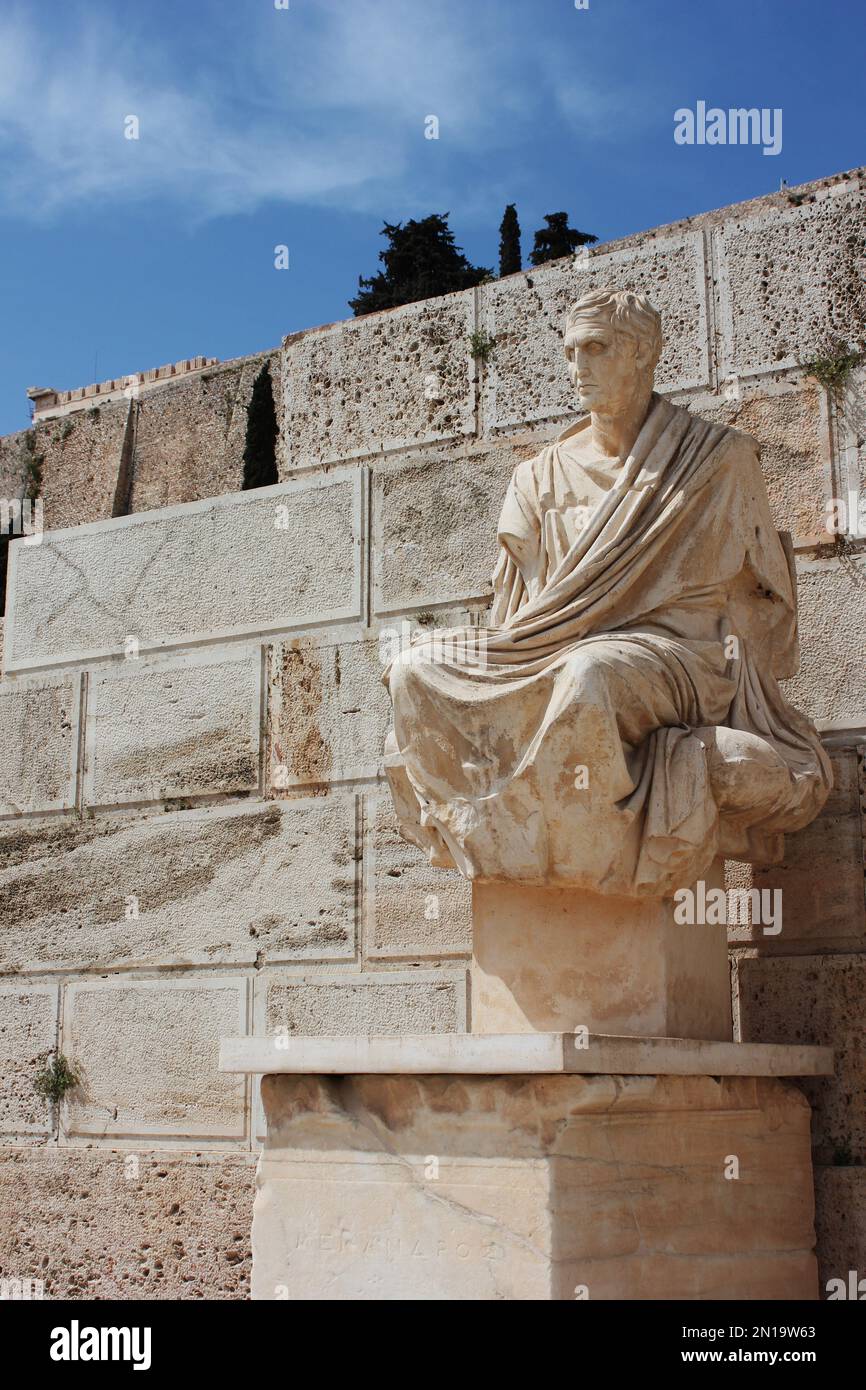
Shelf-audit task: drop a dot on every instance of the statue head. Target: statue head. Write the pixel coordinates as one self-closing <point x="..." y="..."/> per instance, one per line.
<point x="613" y="340"/>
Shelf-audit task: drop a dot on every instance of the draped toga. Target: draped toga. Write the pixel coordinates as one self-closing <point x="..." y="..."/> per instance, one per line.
<point x="619" y="723"/>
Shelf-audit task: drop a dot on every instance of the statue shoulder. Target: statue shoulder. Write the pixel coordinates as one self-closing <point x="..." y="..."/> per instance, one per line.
<point x="728" y="437"/>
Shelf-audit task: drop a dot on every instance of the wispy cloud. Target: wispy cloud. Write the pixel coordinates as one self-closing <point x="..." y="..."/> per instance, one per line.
<point x="316" y="104"/>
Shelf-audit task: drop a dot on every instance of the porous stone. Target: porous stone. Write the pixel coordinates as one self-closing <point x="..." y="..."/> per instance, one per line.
<point x="189" y="887"/>
<point x="134" y="1224"/>
<point x="815" y="1000"/>
<point x="791" y="427"/>
<point x="832" y="601"/>
<point x="380" y="382"/>
<point x="790" y="280"/>
<point x="28" y="1035"/>
<point x="39" y="721"/>
<point x="387" y="1002"/>
<point x="328" y="711"/>
<point x="821" y="880"/>
<point x="79" y="462"/>
<point x="545" y="1188"/>
<point x="146" y="1052"/>
<point x="434" y="528"/>
<point x="840" y="1219"/>
<point x="233" y="566"/>
<point x="158" y="730"/>
<point x="525" y="315"/>
<point x="411" y="909"/>
<point x="190" y="436"/>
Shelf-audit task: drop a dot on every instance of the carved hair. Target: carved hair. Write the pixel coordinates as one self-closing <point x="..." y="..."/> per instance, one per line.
<point x="628" y="311"/>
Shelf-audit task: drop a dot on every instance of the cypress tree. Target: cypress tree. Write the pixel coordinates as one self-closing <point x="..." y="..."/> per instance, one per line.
<point x="509" y="242"/>
<point x="421" y="261"/>
<point x="557" y="239"/>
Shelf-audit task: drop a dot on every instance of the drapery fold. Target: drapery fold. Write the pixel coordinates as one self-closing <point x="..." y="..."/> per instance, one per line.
<point x="641" y="621"/>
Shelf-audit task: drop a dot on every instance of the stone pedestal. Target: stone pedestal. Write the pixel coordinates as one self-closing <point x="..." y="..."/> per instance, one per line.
<point x="555" y="959"/>
<point x="526" y="1167"/>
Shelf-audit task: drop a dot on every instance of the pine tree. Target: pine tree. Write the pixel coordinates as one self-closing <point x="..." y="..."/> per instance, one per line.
<point x="557" y="239"/>
<point x="509" y="242"/>
<point x="421" y="261"/>
<point x="260" y="446"/>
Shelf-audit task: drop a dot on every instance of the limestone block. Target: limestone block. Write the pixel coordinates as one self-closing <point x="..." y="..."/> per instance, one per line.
<point x="158" y="730"/>
<point x="543" y="1187"/>
<point x="386" y="1002"/>
<point x="434" y="529"/>
<point x="821" y="878"/>
<point x="831" y="684"/>
<point x="39" y="722"/>
<point x="234" y="566"/>
<point x="275" y="881"/>
<point x="380" y="382"/>
<point x="815" y="999"/>
<point x="146" y="1052"/>
<point x="525" y="314"/>
<point x="328" y="711"/>
<point x="791" y="426"/>
<point x="28" y="1034"/>
<point x="190" y="436"/>
<point x="104" y="1224"/>
<point x="814" y="249"/>
<point x="411" y="909"/>
<point x="81" y="455"/>
<point x="840" y="1220"/>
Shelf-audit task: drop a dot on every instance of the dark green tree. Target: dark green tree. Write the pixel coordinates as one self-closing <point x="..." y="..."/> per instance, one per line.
<point x="557" y="239"/>
<point x="509" y="242"/>
<point x="421" y="261"/>
<point x="260" y="446"/>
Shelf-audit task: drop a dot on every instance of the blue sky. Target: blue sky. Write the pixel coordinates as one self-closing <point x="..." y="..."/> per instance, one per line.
<point x="304" y="127"/>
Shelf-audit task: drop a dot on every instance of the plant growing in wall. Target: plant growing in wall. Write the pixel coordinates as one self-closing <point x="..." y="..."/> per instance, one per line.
<point x="481" y="344"/>
<point x="833" y="365"/>
<point x="54" y="1079"/>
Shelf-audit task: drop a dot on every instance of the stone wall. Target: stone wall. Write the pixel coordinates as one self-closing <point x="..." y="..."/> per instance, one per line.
<point x="196" y="838"/>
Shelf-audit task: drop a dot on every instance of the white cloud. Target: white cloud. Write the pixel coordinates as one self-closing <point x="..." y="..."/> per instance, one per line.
<point x="310" y="105"/>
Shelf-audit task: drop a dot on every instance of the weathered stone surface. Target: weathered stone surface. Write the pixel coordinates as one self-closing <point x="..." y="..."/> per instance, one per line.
<point x="236" y="565"/>
<point x="434" y="528"/>
<point x="80" y="459"/>
<point x="415" y="1001"/>
<point x="791" y="279"/>
<point x="158" y="730"/>
<point x="551" y="1188"/>
<point x="152" y="1225"/>
<point x="212" y="886"/>
<point x="832" y="601"/>
<point x="525" y="314"/>
<point x="38" y="744"/>
<point x="328" y="711"/>
<point x="190" y="437"/>
<point x="411" y="909"/>
<point x="815" y="999"/>
<point x="146" y="1054"/>
<point x="790" y="424"/>
<point x="28" y="1034"/>
<point x="840" y="1218"/>
<point x="380" y="382"/>
<point x="821" y="879"/>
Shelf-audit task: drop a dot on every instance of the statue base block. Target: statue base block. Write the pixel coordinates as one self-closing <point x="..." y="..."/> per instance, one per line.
<point x="558" y="959"/>
<point x="407" y="1185"/>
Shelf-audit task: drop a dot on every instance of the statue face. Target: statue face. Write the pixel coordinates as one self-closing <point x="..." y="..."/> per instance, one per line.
<point x="605" y="367"/>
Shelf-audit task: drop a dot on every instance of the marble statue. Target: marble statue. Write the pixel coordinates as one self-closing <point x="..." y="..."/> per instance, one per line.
<point x="619" y="724"/>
